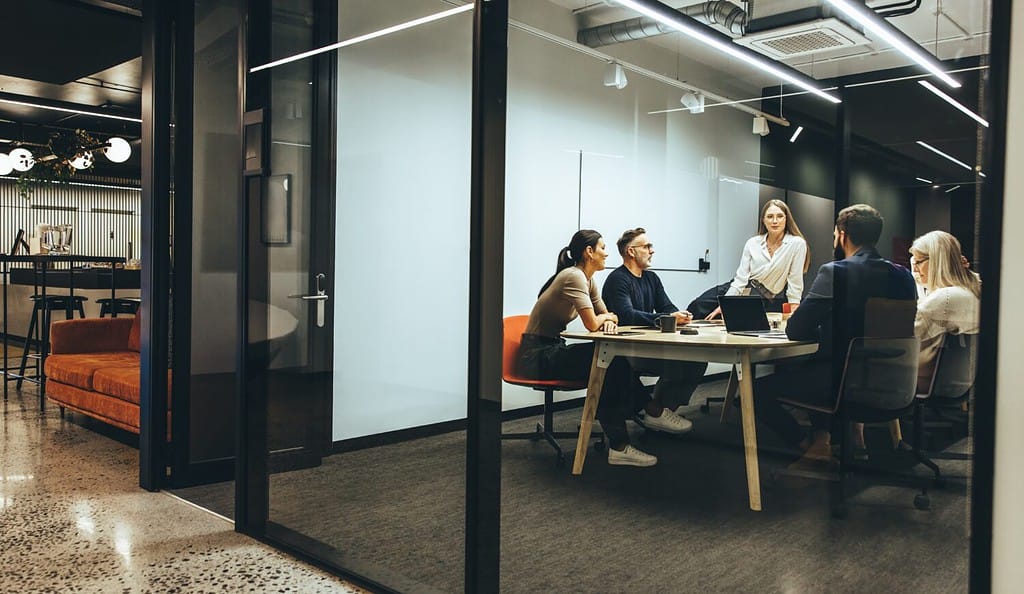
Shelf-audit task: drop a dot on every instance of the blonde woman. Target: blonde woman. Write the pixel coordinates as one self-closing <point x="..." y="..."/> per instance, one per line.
<point x="951" y="299"/>
<point x="774" y="261"/>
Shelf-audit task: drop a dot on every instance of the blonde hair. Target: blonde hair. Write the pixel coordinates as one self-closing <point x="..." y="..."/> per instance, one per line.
<point x="945" y="262"/>
<point x="791" y="226"/>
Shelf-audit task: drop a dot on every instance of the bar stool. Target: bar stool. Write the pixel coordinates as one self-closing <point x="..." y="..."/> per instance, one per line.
<point x="50" y="304"/>
<point x="122" y="305"/>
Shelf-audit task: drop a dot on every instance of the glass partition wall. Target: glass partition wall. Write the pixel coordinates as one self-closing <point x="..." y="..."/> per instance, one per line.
<point x="367" y="280"/>
<point x="613" y="125"/>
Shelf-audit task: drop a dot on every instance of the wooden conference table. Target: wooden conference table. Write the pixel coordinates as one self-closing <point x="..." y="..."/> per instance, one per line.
<point x="713" y="345"/>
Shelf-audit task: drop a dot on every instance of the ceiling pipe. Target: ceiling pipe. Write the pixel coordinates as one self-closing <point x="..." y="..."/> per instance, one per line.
<point x="715" y="12"/>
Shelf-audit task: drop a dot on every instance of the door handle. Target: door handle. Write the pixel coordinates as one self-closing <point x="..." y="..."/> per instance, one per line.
<point x="320" y="297"/>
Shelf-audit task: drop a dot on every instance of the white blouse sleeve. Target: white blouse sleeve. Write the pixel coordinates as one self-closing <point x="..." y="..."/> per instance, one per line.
<point x="742" y="276"/>
<point x="795" y="281"/>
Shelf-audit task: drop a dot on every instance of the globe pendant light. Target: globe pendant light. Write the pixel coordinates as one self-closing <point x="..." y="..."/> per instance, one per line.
<point x="117" y="150"/>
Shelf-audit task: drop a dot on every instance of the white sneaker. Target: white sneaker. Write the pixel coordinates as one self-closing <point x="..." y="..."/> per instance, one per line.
<point x="669" y="422"/>
<point x="630" y="457"/>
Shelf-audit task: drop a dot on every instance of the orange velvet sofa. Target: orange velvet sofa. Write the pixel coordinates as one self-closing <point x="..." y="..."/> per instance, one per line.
<point x="93" y="369"/>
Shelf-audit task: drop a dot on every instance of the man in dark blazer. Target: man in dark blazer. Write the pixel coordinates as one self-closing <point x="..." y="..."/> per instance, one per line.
<point x="832" y="313"/>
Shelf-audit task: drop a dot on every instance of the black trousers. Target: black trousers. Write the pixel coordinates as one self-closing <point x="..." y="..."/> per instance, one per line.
<point x="809" y="381"/>
<point x="622" y="395"/>
<point x="707" y="301"/>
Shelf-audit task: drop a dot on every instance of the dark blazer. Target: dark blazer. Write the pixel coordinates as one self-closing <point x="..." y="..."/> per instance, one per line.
<point x="832" y="313"/>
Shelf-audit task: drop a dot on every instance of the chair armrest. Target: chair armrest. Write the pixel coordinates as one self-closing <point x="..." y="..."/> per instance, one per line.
<point x="90" y="335"/>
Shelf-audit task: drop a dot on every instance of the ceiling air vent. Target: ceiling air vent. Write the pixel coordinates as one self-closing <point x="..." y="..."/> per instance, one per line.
<point x="805" y="38"/>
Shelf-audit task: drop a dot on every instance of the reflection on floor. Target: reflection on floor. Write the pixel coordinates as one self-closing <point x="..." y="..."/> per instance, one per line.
<point x="681" y="526"/>
<point x="72" y="518"/>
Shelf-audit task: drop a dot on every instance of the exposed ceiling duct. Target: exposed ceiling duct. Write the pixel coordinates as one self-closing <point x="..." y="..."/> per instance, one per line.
<point x="716" y="12"/>
<point x="780" y="29"/>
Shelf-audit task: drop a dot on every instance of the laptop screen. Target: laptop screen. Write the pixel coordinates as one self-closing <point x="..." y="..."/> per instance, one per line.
<point x="743" y="313"/>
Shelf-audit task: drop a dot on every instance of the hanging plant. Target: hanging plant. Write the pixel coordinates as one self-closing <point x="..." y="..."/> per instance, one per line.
<point x="65" y="153"/>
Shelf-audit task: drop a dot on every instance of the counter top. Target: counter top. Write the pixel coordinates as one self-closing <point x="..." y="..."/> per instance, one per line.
<point x="86" y="278"/>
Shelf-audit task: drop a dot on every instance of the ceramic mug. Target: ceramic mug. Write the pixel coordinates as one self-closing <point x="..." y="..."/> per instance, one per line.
<point x="666" y="323"/>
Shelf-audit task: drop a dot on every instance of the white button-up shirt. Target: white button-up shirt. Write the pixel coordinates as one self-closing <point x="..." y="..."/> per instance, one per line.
<point x="784" y="268"/>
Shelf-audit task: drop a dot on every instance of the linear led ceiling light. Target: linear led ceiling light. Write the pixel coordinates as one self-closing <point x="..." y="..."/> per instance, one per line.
<point x="921" y="179"/>
<point x="953" y="102"/>
<point x="796" y="134"/>
<point x="361" y="38"/>
<point x="953" y="188"/>
<point x="870" y="20"/>
<point x="944" y="155"/>
<point x="95" y="114"/>
<point x="688" y="26"/>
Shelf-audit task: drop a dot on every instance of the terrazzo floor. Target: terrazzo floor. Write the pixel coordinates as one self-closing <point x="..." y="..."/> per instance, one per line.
<point x="73" y="519"/>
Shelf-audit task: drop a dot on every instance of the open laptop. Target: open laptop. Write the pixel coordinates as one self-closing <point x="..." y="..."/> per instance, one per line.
<point x="744" y="315"/>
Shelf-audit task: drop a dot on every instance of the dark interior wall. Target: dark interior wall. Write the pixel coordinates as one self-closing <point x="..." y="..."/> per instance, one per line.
<point x="808" y="166"/>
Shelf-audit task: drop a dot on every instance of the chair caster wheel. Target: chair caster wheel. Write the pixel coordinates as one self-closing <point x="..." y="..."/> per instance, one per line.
<point x="840" y="512"/>
<point x="599" y="446"/>
<point x="922" y="502"/>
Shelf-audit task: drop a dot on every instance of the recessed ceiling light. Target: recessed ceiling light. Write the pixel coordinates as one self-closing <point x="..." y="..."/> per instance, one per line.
<point x="669" y="16"/>
<point x="953" y="102"/>
<point x="361" y="38"/>
<point x="95" y="114"/>
<point x="944" y="155"/>
<point x="894" y="37"/>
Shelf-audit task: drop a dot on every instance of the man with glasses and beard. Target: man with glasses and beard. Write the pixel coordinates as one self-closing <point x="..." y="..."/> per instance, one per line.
<point x="636" y="294"/>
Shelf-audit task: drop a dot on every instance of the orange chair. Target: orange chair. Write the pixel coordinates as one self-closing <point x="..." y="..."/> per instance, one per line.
<point x="513" y="332"/>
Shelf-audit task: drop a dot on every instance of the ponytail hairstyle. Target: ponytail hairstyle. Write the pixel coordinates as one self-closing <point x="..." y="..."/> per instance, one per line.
<point x="572" y="254"/>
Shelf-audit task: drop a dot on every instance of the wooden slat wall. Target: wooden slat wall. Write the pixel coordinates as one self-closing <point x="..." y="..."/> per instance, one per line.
<point x="105" y="219"/>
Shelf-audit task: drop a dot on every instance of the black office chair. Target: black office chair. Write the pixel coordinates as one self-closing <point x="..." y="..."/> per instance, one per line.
<point x="878" y="384"/>
<point x="950" y="386"/>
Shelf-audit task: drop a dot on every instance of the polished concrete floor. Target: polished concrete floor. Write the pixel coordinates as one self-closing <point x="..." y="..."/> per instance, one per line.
<point x="73" y="519"/>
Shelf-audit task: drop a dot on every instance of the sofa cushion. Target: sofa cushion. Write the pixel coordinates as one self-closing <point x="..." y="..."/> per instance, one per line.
<point x="79" y="370"/>
<point x="135" y="335"/>
<point x="123" y="383"/>
<point x="108" y="409"/>
<point x="89" y="335"/>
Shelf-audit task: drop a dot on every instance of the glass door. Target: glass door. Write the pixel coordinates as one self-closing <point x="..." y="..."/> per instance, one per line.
<point x="356" y="257"/>
<point x="286" y="263"/>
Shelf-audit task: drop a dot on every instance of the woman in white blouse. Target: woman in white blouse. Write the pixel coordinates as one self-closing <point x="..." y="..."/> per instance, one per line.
<point x="774" y="261"/>
<point x="951" y="296"/>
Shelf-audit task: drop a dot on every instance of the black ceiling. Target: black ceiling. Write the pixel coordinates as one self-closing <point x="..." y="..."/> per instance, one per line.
<point x="82" y="55"/>
<point x="59" y="42"/>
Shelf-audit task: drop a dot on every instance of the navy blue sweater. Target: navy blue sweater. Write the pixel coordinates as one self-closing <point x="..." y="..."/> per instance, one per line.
<point x="637" y="301"/>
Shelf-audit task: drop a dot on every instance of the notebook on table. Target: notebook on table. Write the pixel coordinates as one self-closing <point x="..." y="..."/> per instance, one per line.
<point x="744" y="315"/>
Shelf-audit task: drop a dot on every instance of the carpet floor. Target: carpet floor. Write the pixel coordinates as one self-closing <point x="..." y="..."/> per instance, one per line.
<point x="681" y="526"/>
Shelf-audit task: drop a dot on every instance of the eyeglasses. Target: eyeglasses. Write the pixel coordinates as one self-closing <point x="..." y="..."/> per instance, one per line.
<point x="916" y="262"/>
<point x="646" y="246"/>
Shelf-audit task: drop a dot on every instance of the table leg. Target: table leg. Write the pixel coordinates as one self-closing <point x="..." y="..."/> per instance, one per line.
<point x="730" y="395"/>
<point x="589" y="410"/>
<point x="746" y="377"/>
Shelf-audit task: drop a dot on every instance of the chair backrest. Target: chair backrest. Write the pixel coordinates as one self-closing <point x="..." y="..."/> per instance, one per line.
<point x="881" y="373"/>
<point x="955" y="366"/>
<point x="513" y="332"/>
<point x="889" y="318"/>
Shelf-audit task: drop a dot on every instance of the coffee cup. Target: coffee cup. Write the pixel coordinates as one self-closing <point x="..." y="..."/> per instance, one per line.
<point x="789" y="308"/>
<point x="666" y="323"/>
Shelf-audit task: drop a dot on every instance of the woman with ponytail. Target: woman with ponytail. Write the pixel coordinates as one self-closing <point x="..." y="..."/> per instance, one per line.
<point x="543" y="354"/>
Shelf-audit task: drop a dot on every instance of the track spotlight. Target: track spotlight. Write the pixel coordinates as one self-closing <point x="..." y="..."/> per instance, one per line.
<point x="615" y="76"/>
<point x="693" y="101"/>
<point x="760" y="126"/>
